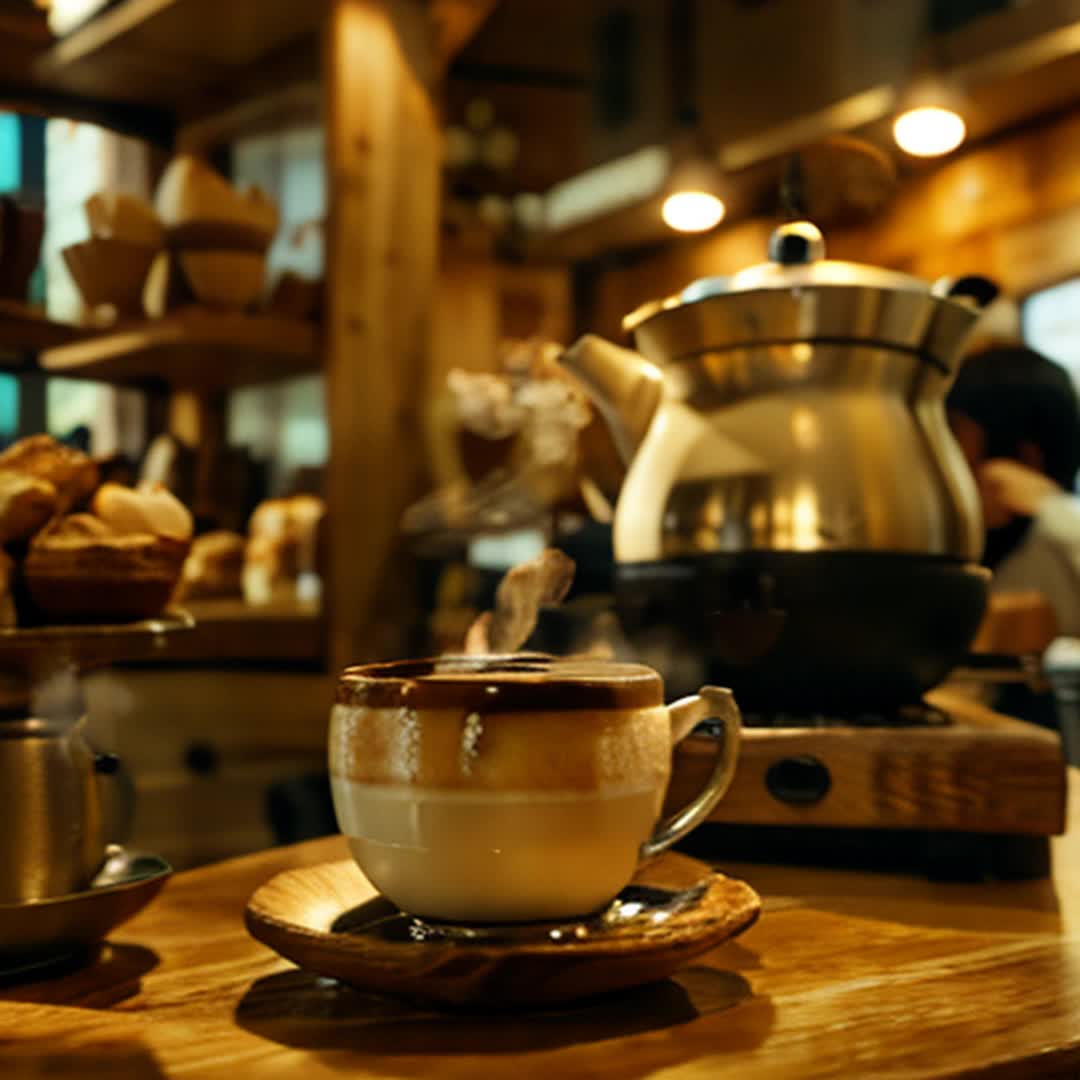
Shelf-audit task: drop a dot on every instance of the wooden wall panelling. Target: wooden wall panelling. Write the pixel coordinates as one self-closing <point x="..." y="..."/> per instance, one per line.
<point x="1040" y="253"/>
<point x="619" y="292"/>
<point x="383" y="147"/>
<point x="242" y="730"/>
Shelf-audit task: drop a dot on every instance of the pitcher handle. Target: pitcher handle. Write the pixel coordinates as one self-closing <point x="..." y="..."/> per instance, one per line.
<point x="118" y="797"/>
<point x="710" y="703"/>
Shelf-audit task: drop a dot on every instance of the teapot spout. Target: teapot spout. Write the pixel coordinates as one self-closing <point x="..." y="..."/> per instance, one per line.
<point x="624" y="387"/>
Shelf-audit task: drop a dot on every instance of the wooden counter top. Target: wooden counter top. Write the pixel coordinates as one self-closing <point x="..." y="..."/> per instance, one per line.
<point x="846" y="975"/>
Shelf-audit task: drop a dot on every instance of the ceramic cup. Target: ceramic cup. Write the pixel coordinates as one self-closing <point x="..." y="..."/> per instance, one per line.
<point x="517" y="788"/>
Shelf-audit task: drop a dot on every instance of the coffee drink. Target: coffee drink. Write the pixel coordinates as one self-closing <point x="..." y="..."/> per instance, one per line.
<point x="497" y="789"/>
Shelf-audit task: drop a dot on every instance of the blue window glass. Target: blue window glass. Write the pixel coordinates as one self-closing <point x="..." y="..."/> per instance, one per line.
<point x="10" y="153"/>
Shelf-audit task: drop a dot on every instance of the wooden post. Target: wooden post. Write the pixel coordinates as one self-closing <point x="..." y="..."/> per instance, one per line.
<point x="197" y="419"/>
<point x="383" y="149"/>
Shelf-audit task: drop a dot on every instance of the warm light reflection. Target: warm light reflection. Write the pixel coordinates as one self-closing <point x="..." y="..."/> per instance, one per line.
<point x="805" y="429"/>
<point x="805" y="519"/>
<point x="692" y="211"/>
<point x="929" y="131"/>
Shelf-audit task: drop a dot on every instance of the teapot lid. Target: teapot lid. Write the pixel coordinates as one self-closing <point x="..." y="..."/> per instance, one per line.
<point x="796" y="269"/>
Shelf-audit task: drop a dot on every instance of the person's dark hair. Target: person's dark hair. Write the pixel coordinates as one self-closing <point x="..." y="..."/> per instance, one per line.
<point x="1018" y="396"/>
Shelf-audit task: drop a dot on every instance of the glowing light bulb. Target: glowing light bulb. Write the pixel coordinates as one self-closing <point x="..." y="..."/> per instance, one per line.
<point x="692" y="211"/>
<point x="929" y="131"/>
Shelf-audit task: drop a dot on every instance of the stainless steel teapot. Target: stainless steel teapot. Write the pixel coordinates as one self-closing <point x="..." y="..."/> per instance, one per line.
<point x="61" y="805"/>
<point x="795" y="406"/>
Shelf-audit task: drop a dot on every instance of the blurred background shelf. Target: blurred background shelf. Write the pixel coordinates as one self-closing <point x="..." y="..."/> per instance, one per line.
<point x="153" y="66"/>
<point x="25" y="330"/>
<point x="192" y="348"/>
<point x="230" y="630"/>
<point x="163" y="52"/>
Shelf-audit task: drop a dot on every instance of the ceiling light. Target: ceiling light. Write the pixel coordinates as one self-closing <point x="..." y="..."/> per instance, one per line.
<point x="929" y="131"/>
<point x="692" y="211"/>
<point x="692" y="192"/>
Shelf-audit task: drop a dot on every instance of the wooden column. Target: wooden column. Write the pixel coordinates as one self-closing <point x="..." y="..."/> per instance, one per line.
<point x="383" y="148"/>
<point x="198" y="419"/>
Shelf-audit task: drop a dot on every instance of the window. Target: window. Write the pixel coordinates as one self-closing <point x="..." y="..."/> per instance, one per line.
<point x="285" y="424"/>
<point x="1051" y="324"/>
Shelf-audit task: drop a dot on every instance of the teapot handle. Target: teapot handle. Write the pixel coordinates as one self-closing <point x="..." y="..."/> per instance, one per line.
<point x="117" y="797"/>
<point x="980" y="291"/>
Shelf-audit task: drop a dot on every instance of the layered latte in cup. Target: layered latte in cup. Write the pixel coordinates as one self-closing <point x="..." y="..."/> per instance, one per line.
<point x="498" y="789"/>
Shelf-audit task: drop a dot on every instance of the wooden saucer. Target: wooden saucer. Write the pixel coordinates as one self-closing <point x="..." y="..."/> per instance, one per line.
<point x="330" y="920"/>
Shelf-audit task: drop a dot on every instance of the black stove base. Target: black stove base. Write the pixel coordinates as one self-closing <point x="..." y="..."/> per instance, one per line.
<point x="841" y="631"/>
<point x="942" y="856"/>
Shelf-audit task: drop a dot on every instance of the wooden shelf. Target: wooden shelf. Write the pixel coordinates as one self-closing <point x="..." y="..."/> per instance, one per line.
<point x="232" y="631"/>
<point x="195" y="58"/>
<point x="25" y="331"/>
<point x="165" y="52"/>
<point x="192" y="349"/>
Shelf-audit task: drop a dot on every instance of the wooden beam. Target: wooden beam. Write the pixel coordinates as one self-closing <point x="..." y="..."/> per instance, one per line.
<point x="383" y="148"/>
<point x="455" y="22"/>
<point x="279" y="90"/>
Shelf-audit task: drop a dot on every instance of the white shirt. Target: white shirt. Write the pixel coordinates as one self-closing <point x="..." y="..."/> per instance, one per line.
<point x="1049" y="560"/>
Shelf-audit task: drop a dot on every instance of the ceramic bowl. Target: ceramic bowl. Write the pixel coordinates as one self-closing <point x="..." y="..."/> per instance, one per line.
<point x="224" y="279"/>
<point x="110" y="271"/>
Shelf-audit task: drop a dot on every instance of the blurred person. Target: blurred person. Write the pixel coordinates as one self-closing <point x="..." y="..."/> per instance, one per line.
<point x="1015" y="416"/>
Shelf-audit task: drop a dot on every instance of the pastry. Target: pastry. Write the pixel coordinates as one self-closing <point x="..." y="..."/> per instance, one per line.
<point x="215" y="566"/>
<point x="282" y="548"/>
<point x="79" y="570"/>
<point x="26" y="504"/>
<point x="71" y="472"/>
<point x="121" y="562"/>
<point x="84" y="526"/>
<point x="149" y="508"/>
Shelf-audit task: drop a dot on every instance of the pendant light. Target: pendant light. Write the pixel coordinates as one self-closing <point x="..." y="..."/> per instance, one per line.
<point x="929" y="131"/>
<point x="692" y="200"/>
<point x="930" y="124"/>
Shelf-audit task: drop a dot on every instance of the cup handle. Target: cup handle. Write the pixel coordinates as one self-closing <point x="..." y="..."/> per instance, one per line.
<point x="715" y="703"/>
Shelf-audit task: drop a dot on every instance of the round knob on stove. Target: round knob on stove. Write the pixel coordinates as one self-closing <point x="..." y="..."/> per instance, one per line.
<point x="202" y="758"/>
<point x="106" y="764"/>
<point x="799" y="781"/>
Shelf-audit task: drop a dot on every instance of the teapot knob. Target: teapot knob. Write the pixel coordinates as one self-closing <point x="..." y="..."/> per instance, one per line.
<point x="796" y="243"/>
<point x="106" y="764"/>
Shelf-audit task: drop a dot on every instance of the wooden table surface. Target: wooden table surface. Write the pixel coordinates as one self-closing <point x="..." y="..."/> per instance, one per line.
<point x="846" y="974"/>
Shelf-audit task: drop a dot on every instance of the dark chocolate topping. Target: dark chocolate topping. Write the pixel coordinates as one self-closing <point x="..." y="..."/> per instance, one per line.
<point x="511" y="683"/>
